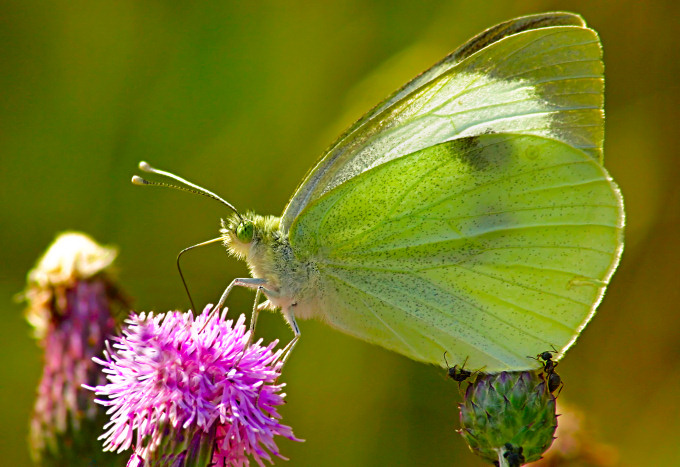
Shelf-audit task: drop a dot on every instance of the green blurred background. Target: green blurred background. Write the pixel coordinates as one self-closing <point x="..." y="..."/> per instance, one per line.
<point x="242" y="97"/>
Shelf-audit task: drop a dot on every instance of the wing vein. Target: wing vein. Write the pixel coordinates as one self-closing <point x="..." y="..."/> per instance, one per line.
<point x="398" y="336"/>
<point x="510" y="211"/>
<point x="533" y="289"/>
<point x="533" y="42"/>
<point x="446" y="312"/>
<point x="487" y="184"/>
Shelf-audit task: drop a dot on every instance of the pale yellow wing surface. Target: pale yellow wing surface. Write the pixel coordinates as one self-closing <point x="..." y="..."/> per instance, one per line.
<point x="493" y="247"/>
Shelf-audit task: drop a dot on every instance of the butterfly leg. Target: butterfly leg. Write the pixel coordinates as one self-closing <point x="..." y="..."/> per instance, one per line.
<point x="249" y="282"/>
<point x="256" y="312"/>
<point x="257" y="307"/>
<point x="290" y="318"/>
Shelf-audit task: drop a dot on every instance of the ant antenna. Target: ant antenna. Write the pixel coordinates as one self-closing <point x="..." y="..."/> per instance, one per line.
<point x="184" y="282"/>
<point x="193" y="188"/>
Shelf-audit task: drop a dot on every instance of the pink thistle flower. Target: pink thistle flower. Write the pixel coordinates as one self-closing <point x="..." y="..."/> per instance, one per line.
<point x="193" y="390"/>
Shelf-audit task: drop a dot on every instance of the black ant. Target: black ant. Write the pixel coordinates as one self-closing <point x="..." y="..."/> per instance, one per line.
<point x="458" y="374"/>
<point x="552" y="378"/>
<point x="514" y="457"/>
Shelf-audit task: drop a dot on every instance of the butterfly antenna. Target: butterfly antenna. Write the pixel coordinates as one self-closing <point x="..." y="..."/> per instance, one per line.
<point x="189" y="187"/>
<point x="179" y="268"/>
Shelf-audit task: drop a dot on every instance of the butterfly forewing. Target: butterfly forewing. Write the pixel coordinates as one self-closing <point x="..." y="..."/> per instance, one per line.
<point x="493" y="246"/>
<point x="475" y="44"/>
<point x="527" y="76"/>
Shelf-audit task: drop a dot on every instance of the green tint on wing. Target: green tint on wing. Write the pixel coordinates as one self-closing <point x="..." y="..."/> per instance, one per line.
<point x="494" y="247"/>
<point x="539" y="75"/>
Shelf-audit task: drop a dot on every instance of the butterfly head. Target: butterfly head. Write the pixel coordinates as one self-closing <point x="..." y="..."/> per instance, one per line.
<point x="245" y="231"/>
<point x="238" y="234"/>
<point x="244" y="234"/>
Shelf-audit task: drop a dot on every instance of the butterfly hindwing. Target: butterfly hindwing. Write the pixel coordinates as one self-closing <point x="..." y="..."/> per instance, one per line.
<point x="494" y="246"/>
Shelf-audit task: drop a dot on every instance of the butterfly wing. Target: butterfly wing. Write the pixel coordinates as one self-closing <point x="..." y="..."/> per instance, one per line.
<point x="540" y="75"/>
<point x="492" y="247"/>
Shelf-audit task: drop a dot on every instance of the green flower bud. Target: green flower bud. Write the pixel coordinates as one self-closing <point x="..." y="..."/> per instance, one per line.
<point x="508" y="418"/>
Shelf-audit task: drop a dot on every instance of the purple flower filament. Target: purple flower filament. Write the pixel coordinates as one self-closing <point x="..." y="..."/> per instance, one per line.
<point x="173" y="371"/>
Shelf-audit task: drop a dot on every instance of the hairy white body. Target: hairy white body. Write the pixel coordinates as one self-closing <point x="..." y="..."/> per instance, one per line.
<point x="290" y="284"/>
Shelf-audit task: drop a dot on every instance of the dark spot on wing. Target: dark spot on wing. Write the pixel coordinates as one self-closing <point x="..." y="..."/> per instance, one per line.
<point x="470" y="152"/>
<point x="483" y="151"/>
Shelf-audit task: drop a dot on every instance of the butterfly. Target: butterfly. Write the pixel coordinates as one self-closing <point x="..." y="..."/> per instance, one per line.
<point x="467" y="213"/>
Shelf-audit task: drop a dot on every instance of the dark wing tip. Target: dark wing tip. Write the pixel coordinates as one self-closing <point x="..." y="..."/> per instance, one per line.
<point x="514" y="26"/>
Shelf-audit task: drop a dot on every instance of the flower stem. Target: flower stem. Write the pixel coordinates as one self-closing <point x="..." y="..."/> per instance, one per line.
<point x="502" y="461"/>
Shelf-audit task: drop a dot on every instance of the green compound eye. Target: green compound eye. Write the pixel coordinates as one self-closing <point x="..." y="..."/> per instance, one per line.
<point x="244" y="231"/>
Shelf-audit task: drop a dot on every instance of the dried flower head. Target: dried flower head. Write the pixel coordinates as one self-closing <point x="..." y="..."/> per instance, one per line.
<point x="181" y="386"/>
<point x="70" y="303"/>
